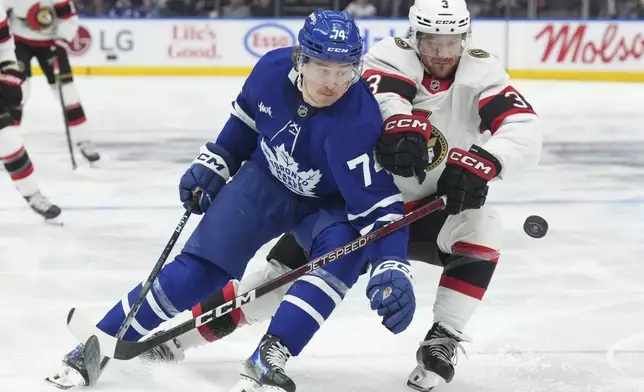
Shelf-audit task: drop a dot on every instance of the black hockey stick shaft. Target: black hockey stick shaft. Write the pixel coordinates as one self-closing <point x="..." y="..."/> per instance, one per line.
<point x="55" y="66"/>
<point x="147" y="285"/>
<point x="127" y="350"/>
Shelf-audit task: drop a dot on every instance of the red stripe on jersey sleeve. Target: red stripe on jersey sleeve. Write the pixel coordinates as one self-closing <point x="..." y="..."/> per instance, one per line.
<point x="494" y="109"/>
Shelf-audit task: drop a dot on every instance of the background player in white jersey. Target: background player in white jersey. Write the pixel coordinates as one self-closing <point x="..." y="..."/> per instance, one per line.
<point x="43" y="28"/>
<point x="434" y="80"/>
<point x="13" y="155"/>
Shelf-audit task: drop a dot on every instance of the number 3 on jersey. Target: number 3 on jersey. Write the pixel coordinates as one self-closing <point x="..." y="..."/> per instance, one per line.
<point x="374" y="83"/>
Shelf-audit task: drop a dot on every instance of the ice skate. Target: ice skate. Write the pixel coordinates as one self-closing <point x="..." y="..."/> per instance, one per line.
<point x="42" y="206"/>
<point x="436" y="357"/>
<point x="265" y="368"/>
<point x="168" y="352"/>
<point x="88" y="150"/>
<point x="80" y="367"/>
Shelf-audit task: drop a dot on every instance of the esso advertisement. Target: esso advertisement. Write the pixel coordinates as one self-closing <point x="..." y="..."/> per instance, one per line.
<point x="578" y="45"/>
<point x="265" y="37"/>
<point x="192" y="40"/>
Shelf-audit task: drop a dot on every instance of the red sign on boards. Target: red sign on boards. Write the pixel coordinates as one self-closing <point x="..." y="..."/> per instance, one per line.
<point x="81" y="42"/>
<point x="193" y="41"/>
<point x="574" y="43"/>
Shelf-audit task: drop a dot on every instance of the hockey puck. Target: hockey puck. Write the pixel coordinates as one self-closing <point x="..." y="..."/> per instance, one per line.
<point x="535" y="226"/>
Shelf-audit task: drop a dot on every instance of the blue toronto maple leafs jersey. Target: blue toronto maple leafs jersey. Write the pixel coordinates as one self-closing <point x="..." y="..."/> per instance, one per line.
<point x="316" y="153"/>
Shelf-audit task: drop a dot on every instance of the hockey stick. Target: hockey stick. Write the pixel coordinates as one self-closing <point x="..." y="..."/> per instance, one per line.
<point x="122" y="349"/>
<point x="150" y="280"/>
<point x="55" y="66"/>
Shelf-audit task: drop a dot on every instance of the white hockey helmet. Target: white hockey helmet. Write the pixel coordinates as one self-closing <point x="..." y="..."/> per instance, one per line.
<point x="439" y="17"/>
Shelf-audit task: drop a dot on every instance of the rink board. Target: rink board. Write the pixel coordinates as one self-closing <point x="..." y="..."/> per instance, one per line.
<point x="539" y="49"/>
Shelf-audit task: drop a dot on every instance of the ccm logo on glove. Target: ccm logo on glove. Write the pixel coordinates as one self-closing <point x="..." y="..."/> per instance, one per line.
<point x="10" y="79"/>
<point x="475" y="164"/>
<point x="213" y="162"/>
<point x="399" y="123"/>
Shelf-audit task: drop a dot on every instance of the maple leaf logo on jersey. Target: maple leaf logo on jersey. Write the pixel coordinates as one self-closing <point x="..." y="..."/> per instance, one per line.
<point x="286" y="169"/>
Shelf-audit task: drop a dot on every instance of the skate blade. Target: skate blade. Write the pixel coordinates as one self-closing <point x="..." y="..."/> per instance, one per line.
<point x="423" y="380"/>
<point x="69" y="378"/>
<point x="55" y="222"/>
<point x="418" y="387"/>
<point x="246" y="384"/>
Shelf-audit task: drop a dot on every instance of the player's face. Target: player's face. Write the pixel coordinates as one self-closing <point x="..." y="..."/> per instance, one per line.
<point x="440" y="53"/>
<point x="324" y="83"/>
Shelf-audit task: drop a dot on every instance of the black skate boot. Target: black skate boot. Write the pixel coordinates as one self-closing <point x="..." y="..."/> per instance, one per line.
<point x="265" y="368"/>
<point x="42" y="206"/>
<point x="88" y="150"/>
<point x="80" y="367"/>
<point x="436" y="357"/>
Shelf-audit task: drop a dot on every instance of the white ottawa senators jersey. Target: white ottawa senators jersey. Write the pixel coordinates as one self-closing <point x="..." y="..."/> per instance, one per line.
<point x="7" y="47"/>
<point x="39" y="23"/>
<point x="479" y="98"/>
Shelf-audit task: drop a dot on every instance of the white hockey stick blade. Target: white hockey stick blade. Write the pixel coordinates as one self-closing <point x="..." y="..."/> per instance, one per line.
<point x="82" y="330"/>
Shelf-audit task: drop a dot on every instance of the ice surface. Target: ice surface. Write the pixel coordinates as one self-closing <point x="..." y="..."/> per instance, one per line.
<point x="563" y="313"/>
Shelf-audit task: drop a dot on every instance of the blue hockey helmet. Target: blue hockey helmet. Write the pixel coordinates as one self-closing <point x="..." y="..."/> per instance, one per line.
<point x="331" y="36"/>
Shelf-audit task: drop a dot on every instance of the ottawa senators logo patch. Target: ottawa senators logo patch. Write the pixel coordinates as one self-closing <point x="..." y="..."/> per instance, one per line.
<point x="437" y="144"/>
<point x="402" y="44"/>
<point x="39" y="17"/>
<point x="437" y="149"/>
<point x="478" y="53"/>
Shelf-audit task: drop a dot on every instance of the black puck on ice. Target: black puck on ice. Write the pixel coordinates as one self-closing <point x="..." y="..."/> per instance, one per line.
<point x="535" y="226"/>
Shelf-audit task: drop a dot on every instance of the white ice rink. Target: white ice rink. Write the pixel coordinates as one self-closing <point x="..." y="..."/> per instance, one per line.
<point x="563" y="313"/>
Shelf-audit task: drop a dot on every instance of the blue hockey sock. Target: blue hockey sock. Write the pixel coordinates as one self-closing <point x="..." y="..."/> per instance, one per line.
<point x="180" y="285"/>
<point x="307" y="304"/>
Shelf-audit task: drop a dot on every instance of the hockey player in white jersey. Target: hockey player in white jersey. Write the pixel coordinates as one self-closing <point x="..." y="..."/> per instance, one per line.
<point x="435" y="75"/>
<point x="13" y="155"/>
<point x="42" y="29"/>
<point x="431" y="79"/>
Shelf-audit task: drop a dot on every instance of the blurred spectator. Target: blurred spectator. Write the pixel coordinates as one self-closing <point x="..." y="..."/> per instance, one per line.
<point x="361" y="9"/>
<point x="236" y="9"/>
<point x="179" y="8"/>
<point x="84" y="9"/>
<point x="262" y="9"/>
<point x="603" y="9"/>
<point x="123" y="9"/>
<point x="91" y="7"/>
<point x="148" y="9"/>
<point x="394" y="8"/>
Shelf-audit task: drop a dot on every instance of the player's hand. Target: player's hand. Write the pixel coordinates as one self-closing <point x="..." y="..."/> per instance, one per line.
<point x="465" y="178"/>
<point x="391" y="293"/>
<point x="402" y="148"/>
<point x="205" y="178"/>
<point x="11" y="80"/>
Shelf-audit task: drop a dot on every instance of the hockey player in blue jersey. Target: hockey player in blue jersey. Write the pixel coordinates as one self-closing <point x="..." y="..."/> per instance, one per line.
<point x="304" y="126"/>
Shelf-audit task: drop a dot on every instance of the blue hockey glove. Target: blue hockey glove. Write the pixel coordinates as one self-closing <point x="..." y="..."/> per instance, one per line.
<point x="391" y="293"/>
<point x="205" y="178"/>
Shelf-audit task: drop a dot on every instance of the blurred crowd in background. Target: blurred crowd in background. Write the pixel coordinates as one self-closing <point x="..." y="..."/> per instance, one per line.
<point x="595" y="9"/>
